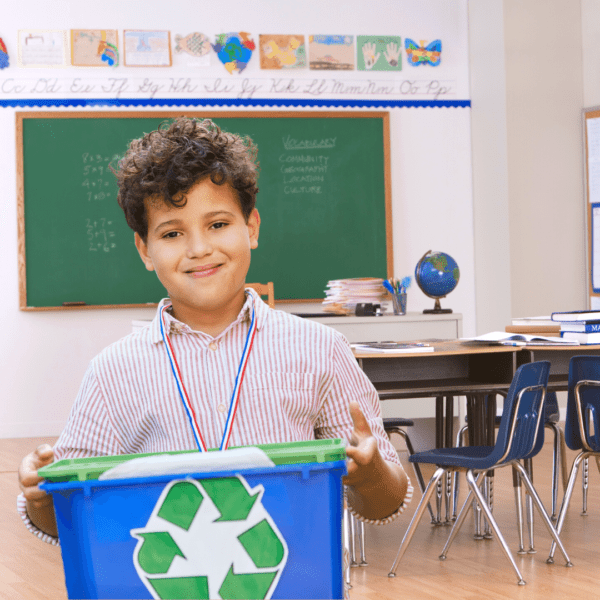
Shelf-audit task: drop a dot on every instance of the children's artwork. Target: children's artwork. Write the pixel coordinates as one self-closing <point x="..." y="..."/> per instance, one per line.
<point x="42" y="48"/>
<point x="331" y="52"/>
<point x="94" y="48"/>
<point x="234" y="50"/>
<point x="147" y="48"/>
<point x="195" y="47"/>
<point x="3" y="55"/>
<point x="420" y="54"/>
<point x="282" y="51"/>
<point x="379" y="53"/>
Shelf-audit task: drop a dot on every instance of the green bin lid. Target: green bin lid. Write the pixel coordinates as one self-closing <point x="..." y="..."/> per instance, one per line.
<point x="85" y="469"/>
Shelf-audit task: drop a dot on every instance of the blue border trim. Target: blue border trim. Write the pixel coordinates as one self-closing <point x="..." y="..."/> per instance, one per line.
<point x="595" y="290"/>
<point x="67" y="102"/>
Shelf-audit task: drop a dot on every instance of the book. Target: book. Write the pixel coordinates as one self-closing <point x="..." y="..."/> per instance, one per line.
<point x="580" y="326"/>
<point x="537" y="329"/>
<point x="534" y="321"/>
<point x="392" y="347"/>
<point x="520" y="339"/>
<point x="582" y="338"/>
<point x="577" y="315"/>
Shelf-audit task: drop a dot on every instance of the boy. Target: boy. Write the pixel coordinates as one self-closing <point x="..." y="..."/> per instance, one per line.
<point x="188" y="191"/>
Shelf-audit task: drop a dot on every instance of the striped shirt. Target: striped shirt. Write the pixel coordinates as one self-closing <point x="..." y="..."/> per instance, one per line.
<point x="299" y="379"/>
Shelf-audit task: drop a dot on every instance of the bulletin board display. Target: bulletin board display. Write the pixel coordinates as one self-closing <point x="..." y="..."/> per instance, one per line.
<point x="591" y="121"/>
<point x="324" y="201"/>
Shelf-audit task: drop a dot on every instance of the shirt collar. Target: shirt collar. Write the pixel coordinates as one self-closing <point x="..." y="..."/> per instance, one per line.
<point x="261" y="311"/>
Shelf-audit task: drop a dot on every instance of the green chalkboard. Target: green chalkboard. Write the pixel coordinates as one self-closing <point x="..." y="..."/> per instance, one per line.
<point x="324" y="202"/>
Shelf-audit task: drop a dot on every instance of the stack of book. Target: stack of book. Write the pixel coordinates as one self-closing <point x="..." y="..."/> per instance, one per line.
<point x="342" y="295"/>
<point x="580" y="325"/>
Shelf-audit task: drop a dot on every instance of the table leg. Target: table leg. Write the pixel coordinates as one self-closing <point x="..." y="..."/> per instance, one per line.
<point x="449" y="441"/>
<point x="439" y="443"/>
<point x="490" y="435"/>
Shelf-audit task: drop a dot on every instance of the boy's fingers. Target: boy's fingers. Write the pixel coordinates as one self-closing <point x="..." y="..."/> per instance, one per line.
<point x="361" y="425"/>
<point x="28" y="470"/>
<point x="45" y="452"/>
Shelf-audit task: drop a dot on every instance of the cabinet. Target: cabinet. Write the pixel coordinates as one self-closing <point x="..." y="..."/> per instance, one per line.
<point x="397" y="328"/>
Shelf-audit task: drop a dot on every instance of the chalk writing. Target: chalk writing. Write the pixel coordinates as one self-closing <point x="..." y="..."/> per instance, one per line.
<point x="290" y="143"/>
<point x="100" y="235"/>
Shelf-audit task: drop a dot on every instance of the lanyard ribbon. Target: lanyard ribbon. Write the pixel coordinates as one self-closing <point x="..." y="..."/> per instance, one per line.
<point x="235" y="396"/>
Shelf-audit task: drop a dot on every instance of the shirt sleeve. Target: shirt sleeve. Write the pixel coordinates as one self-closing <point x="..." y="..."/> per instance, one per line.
<point x="88" y="431"/>
<point x="348" y="383"/>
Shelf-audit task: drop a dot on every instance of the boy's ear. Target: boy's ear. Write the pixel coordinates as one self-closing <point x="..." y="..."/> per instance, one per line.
<point x="142" y="248"/>
<point x="253" y="228"/>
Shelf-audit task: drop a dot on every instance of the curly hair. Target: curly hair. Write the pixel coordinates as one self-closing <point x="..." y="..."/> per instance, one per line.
<point x="165" y="164"/>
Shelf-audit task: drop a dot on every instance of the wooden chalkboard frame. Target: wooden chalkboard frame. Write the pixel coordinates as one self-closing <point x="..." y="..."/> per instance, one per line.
<point x="22" y="116"/>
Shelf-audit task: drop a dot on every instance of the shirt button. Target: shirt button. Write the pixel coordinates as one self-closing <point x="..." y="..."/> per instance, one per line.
<point x="221" y="408"/>
<point x="213" y="346"/>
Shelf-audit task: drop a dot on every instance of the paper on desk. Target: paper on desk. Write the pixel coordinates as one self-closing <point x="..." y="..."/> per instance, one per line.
<point x="195" y="462"/>
<point x="519" y="339"/>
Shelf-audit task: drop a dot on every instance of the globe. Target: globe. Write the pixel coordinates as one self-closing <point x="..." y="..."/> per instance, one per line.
<point x="437" y="274"/>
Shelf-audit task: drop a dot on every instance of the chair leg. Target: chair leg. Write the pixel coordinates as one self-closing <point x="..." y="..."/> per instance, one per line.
<point x="431" y="486"/>
<point x="519" y="507"/>
<point x="346" y="536"/>
<point x="566" y="499"/>
<point x="529" y="507"/>
<point x="361" y="539"/>
<point x="556" y="462"/>
<point x="584" y="485"/>
<point x="545" y="518"/>
<point x="353" y="561"/>
<point x="488" y="514"/>
<point x="416" y="466"/>
<point x="460" y="441"/>
<point x="460" y="519"/>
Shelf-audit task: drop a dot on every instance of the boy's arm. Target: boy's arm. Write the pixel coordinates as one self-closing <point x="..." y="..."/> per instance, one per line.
<point x="376" y="487"/>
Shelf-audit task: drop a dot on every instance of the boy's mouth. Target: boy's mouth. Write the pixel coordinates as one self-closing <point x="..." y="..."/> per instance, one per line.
<point x="204" y="271"/>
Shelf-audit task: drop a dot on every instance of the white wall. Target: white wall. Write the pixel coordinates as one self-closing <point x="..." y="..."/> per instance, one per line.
<point x="43" y="355"/>
<point x="544" y="98"/>
<point x="490" y="171"/>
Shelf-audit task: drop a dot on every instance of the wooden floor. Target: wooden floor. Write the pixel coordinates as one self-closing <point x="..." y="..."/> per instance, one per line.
<point x="30" y="569"/>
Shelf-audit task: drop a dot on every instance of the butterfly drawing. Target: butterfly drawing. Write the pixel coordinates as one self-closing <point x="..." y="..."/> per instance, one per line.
<point x="422" y="54"/>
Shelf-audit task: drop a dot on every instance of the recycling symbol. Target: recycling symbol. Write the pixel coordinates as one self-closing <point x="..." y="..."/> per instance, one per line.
<point x="210" y="539"/>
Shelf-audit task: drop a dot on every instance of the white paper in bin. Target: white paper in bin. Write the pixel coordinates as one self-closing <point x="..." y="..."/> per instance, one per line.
<point x="200" y="462"/>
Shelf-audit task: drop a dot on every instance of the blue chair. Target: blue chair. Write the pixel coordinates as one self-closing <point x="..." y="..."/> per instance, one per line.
<point x="520" y="437"/>
<point x="551" y="419"/>
<point x="582" y="424"/>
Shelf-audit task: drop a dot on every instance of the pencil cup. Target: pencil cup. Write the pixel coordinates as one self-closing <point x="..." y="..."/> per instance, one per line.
<point x="399" y="303"/>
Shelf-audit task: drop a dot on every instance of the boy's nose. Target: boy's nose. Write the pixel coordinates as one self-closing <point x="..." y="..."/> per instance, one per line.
<point x="198" y="245"/>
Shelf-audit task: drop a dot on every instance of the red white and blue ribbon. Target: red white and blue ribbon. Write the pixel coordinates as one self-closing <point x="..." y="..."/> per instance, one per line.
<point x="235" y="397"/>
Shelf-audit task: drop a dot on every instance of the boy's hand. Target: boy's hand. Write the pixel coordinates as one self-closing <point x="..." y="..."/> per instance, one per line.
<point x="39" y="504"/>
<point x="364" y="459"/>
<point x="376" y="487"/>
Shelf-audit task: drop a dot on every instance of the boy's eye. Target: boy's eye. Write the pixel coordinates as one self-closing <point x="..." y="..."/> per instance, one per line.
<point x="218" y="225"/>
<point x="171" y="234"/>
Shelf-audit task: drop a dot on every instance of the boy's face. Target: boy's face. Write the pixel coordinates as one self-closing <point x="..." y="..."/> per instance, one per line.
<point x="201" y="252"/>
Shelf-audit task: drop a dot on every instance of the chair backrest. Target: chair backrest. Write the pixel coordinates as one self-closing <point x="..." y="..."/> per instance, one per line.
<point x="521" y="431"/>
<point x="584" y="434"/>
<point x="264" y="289"/>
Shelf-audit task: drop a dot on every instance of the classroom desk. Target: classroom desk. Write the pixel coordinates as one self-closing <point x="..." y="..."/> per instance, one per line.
<point x="458" y="368"/>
